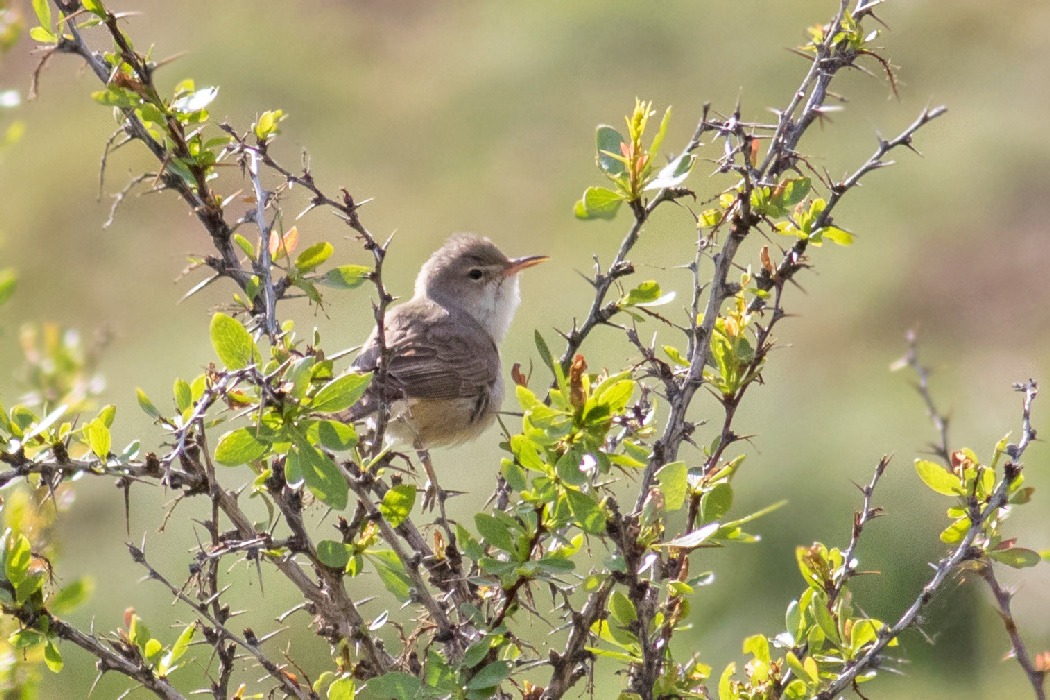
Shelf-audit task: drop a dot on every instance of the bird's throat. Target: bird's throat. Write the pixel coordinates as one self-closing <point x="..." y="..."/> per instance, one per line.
<point x="500" y="301"/>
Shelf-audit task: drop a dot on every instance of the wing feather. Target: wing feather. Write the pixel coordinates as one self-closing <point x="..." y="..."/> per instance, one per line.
<point x="435" y="355"/>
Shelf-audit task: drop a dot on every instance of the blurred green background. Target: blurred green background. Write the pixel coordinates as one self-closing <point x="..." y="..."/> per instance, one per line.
<point x="477" y="116"/>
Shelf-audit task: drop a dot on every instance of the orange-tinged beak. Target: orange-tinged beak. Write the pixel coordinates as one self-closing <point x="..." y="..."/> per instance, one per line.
<point x="519" y="264"/>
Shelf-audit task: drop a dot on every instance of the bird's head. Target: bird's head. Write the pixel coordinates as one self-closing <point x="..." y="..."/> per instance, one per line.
<point x="469" y="273"/>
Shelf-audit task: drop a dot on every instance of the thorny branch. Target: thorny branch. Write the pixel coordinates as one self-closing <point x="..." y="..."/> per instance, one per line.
<point x="222" y="632"/>
<point x="676" y="429"/>
<point x="122" y="658"/>
<point x="804" y="108"/>
<point x="1003" y="597"/>
<point x="861" y="518"/>
<point x="964" y="551"/>
<point x="338" y="617"/>
<point x="201" y="200"/>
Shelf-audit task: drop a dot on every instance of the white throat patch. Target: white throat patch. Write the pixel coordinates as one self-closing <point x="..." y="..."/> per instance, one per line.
<point x="499" y="303"/>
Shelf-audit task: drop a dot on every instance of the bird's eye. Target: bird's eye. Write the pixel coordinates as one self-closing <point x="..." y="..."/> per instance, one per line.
<point x="475" y="274"/>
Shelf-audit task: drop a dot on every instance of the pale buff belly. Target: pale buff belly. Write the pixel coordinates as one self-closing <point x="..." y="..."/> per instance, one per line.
<point x="426" y="423"/>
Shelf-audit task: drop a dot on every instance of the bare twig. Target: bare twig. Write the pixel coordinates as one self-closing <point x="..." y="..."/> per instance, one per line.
<point x="922" y="375"/>
<point x="264" y="266"/>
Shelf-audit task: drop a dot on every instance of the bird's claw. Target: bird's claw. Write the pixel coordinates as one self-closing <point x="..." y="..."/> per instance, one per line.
<point x="433" y="495"/>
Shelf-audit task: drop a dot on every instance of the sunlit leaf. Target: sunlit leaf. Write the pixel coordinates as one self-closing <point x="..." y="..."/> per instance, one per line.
<point x="397" y="503"/>
<point x="598" y="203"/>
<point x="342" y="392"/>
<point x="333" y="554"/>
<point x="321" y="474"/>
<point x="346" y="276"/>
<point x="239" y="447"/>
<point x="232" y="342"/>
<point x="314" y="256"/>
<point x="938" y="478"/>
<point x="674" y="484"/>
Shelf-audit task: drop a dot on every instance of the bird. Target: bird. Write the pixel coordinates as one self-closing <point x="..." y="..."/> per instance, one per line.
<point x="444" y="382"/>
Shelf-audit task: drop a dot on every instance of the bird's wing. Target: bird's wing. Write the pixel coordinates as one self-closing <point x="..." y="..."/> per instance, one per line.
<point x="434" y="355"/>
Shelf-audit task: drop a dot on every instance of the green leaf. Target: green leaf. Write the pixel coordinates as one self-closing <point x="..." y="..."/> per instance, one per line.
<point x="725" y="683"/>
<point x="107" y="414"/>
<point x="548" y="359"/>
<point x="514" y="475"/>
<point x="758" y="646"/>
<point x="586" y="512"/>
<point x="244" y="245"/>
<point x="342" y="392"/>
<point x="622" y="608"/>
<point x="661" y="133"/>
<point x="71" y="596"/>
<point x="608" y="141"/>
<point x="146" y="404"/>
<point x="676" y="356"/>
<point x="16" y="561"/>
<point x="1017" y="557"/>
<point x="397" y="503"/>
<point x="43" y="12"/>
<point x="710" y="218"/>
<point x="568" y="466"/>
<point x="8" y="278"/>
<point x="232" y="342"/>
<point x="333" y="435"/>
<point x="956" y="531"/>
<point x="490" y="676"/>
<point x="494" y="532"/>
<point x="99" y="438"/>
<point x="716" y="503"/>
<point x="333" y="554"/>
<point x="938" y="478"/>
<point x="123" y="98"/>
<point x="177" y="650"/>
<point x="391" y="572"/>
<point x="52" y="657"/>
<point x="646" y="292"/>
<point x="267" y="124"/>
<point x="598" y="203"/>
<point x="341" y="689"/>
<point x="320" y="474"/>
<point x="314" y="256"/>
<point x="836" y="235"/>
<point x="346" y="276"/>
<point x="239" y="447"/>
<point x="183" y="395"/>
<point x="95" y="7"/>
<point x="674" y="484"/>
<point x="862" y="633"/>
<point x="396" y="685"/>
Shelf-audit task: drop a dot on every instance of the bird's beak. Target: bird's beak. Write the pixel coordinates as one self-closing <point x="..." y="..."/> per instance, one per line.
<point x="519" y="264"/>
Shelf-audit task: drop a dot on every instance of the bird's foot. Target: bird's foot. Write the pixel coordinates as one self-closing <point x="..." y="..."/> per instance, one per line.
<point x="433" y="495"/>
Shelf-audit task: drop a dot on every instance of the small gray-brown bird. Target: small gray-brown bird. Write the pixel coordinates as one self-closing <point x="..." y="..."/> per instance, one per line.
<point x="444" y="381"/>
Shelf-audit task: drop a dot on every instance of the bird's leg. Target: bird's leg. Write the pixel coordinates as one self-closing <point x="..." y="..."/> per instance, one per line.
<point x="434" y="493"/>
